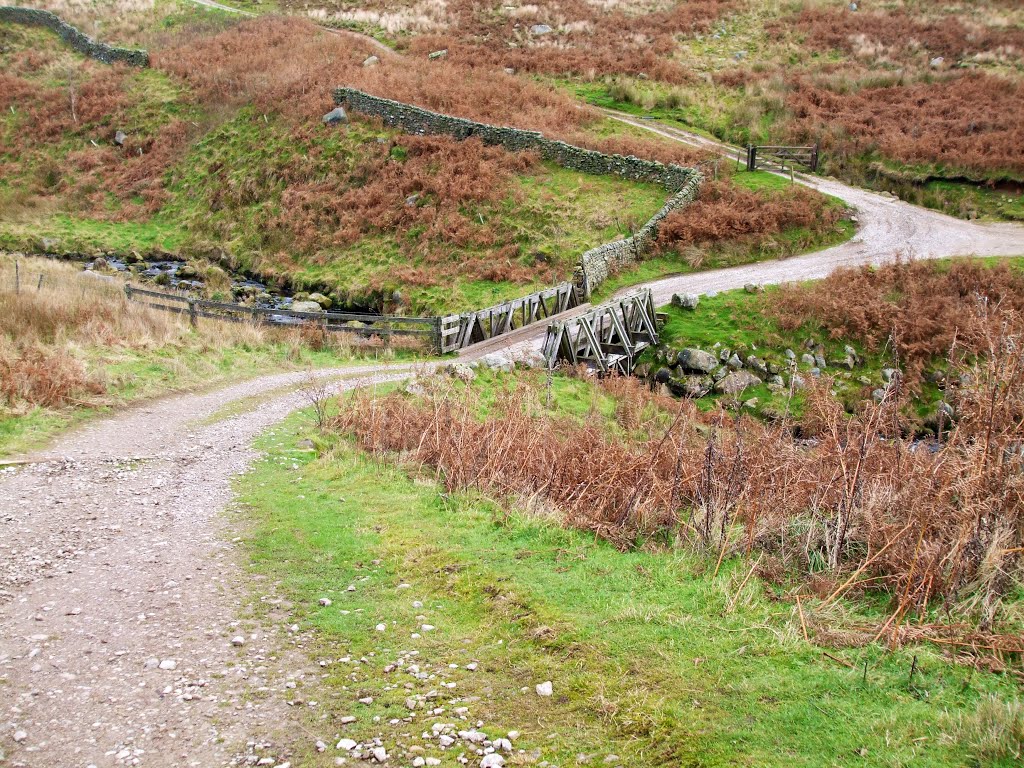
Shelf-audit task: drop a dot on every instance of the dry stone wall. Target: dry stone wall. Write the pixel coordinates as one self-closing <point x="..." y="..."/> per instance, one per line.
<point x="417" y="120"/>
<point x="598" y="264"/>
<point x="595" y="265"/>
<point x="81" y="42"/>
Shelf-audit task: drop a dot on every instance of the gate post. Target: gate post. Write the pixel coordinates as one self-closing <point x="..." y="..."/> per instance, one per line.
<point x="814" y="158"/>
<point x="751" y="157"/>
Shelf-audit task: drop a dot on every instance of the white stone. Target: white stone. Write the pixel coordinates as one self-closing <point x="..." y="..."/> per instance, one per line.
<point x="382" y="627"/>
<point x="545" y="688"/>
<point x="347" y="744"/>
<point x="168" y="664"/>
<point x="492" y="761"/>
<point x="380" y="754"/>
<point x="238" y="640"/>
<point x="20" y="736"/>
<point x="325" y="601"/>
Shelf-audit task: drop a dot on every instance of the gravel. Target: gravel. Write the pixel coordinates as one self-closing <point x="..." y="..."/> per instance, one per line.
<point x="121" y="590"/>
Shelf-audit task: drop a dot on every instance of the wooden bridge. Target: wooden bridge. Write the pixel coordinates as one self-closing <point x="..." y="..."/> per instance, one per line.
<point x="459" y="331"/>
<point x="609" y="337"/>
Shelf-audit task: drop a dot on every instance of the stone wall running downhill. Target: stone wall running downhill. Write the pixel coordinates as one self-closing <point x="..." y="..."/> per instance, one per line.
<point x="81" y="42"/>
<point x="595" y="265"/>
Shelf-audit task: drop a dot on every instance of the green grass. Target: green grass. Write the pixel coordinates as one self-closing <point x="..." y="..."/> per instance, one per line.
<point x="71" y="234"/>
<point x="653" y="658"/>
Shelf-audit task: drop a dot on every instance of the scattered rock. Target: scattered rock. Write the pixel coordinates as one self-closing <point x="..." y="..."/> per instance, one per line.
<point x="238" y="641"/>
<point x="324" y="301"/>
<point x="335" y="117"/>
<point x="168" y="664"/>
<point x="306" y="306"/>
<point x="698" y="360"/>
<point x="20" y="736"/>
<point x="492" y="760"/>
<point x="347" y="744"/>
<point x="737" y="382"/>
<point x="120" y="137"/>
<point x="371" y="61"/>
<point x="325" y="602"/>
<point x="545" y="689"/>
<point x="540" y="29"/>
<point x="442" y="54"/>
<point x="685" y="300"/>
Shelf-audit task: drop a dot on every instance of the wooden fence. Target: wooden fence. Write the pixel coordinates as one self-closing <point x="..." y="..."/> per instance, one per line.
<point x="782" y="158"/>
<point x="443" y="334"/>
<point x="382" y="326"/>
<point x="610" y="337"/>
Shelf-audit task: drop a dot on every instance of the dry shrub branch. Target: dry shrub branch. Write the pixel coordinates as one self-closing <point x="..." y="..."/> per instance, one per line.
<point x="856" y="503"/>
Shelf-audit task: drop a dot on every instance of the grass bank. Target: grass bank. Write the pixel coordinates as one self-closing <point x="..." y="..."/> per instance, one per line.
<point x="656" y="656"/>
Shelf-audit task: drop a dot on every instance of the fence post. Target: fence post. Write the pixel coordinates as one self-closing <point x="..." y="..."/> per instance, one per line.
<point x="438" y="338"/>
<point x="128" y="291"/>
<point x="17" y="276"/>
<point x="814" y="159"/>
<point x="39" y="287"/>
<point x="193" y="317"/>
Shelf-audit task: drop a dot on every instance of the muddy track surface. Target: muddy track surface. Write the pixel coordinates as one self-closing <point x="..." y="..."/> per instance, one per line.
<point x="121" y="591"/>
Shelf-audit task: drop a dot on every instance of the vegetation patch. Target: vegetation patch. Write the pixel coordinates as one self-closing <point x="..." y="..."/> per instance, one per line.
<point x="514" y="599"/>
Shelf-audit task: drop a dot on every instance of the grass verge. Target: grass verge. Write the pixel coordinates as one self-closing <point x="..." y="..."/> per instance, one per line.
<point x="653" y="657"/>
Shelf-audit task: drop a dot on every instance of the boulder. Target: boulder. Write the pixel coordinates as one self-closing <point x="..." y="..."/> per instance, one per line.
<point x="335" y="117"/>
<point x="663" y="375"/>
<point x="807" y="359"/>
<point x="685" y="300"/>
<point x="540" y="29"/>
<point x="120" y="137"/>
<point x="690" y="386"/>
<point x="756" y="364"/>
<point x="737" y="382"/>
<point x="698" y="360"/>
<point x="460" y="371"/>
<point x="734" y="362"/>
<point x="323" y="301"/>
<point x="371" y="61"/>
<point x="306" y="306"/>
<point x="442" y="54"/>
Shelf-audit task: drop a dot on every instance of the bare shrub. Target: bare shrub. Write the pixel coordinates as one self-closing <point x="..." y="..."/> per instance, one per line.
<point x="727" y="212"/>
<point x="861" y="502"/>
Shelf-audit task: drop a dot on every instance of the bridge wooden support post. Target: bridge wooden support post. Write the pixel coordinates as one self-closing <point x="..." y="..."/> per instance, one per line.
<point x="608" y="338"/>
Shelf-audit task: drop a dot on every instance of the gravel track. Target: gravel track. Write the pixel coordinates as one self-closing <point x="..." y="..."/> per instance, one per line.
<point x="887" y="227"/>
<point x="115" y="555"/>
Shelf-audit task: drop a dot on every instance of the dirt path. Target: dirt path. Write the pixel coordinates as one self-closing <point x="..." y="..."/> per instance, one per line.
<point x="886" y="228"/>
<point x="116" y="565"/>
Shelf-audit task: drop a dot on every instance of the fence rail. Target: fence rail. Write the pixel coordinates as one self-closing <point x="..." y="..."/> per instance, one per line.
<point x="384" y="326"/>
<point x="459" y="331"/>
<point x="444" y="334"/>
<point x="782" y="158"/>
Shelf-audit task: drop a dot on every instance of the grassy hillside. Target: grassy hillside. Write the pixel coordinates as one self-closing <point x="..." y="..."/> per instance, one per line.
<point x="224" y="160"/>
<point x="919" y="98"/>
